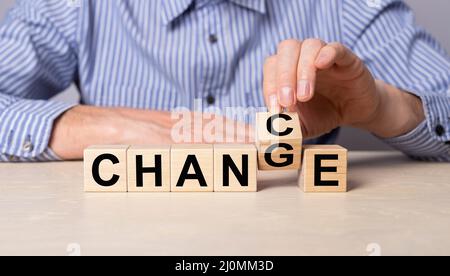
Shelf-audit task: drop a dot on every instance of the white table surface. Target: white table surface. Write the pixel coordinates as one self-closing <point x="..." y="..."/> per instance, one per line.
<point x="394" y="204"/>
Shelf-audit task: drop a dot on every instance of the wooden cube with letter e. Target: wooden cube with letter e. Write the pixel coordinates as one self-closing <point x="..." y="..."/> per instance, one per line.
<point x="324" y="169"/>
<point x="279" y="141"/>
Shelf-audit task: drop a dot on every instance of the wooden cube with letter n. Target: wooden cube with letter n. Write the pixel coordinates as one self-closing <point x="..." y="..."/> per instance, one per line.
<point x="105" y="169"/>
<point x="324" y="169"/>
<point x="235" y="168"/>
<point x="192" y="168"/>
<point x="149" y="169"/>
<point x="279" y="141"/>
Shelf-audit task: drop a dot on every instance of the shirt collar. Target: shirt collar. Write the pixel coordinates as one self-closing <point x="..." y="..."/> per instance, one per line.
<point x="172" y="9"/>
<point x="255" y="5"/>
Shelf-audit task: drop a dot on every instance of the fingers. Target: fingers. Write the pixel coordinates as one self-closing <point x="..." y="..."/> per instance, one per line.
<point x="270" y="85"/>
<point x="306" y="71"/>
<point x="335" y="53"/>
<point x="287" y="60"/>
<point x="291" y="75"/>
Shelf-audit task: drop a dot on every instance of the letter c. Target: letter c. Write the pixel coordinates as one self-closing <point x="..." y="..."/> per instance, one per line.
<point x="96" y="170"/>
<point x="275" y="132"/>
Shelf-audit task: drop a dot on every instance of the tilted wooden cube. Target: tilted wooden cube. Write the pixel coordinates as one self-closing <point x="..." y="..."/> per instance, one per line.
<point x="279" y="141"/>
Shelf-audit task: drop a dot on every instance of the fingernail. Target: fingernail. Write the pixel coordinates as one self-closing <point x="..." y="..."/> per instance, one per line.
<point x="286" y="96"/>
<point x="273" y="104"/>
<point x="321" y="59"/>
<point x="303" y="89"/>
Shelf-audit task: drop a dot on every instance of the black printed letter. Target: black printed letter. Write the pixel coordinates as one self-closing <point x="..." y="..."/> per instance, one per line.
<point x="289" y="157"/>
<point x="318" y="170"/>
<point x="140" y="170"/>
<point x="228" y="164"/>
<point x="275" y="132"/>
<point x="191" y="160"/>
<point x="96" y="170"/>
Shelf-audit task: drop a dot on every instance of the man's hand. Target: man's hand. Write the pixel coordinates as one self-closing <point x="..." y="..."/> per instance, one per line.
<point x="83" y="126"/>
<point x="329" y="86"/>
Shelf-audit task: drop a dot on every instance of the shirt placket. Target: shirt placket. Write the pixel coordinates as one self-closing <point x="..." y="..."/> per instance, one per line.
<point x="212" y="79"/>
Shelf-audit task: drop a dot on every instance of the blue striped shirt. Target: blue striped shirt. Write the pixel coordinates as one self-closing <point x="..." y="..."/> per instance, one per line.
<point x="162" y="54"/>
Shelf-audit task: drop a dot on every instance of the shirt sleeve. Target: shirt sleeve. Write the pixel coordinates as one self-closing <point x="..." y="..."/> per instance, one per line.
<point x="38" y="59"/>
<point x="383" y="33"/>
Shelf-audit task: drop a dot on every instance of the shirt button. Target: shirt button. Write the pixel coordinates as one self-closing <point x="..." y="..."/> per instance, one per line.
<point x="28" y="146"/>
<point x="210" y="100"/>
<point x="213" y="39"/>
<point x="440" y="130"/>
<point x="12" y="158"/>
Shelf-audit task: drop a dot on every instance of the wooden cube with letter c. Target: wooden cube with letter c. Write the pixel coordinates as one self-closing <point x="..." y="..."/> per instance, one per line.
<point x="279" y="141"/>
<point x="105" y="168"/>
<point x="235" y="168"/>
<point x="324" y="169"/>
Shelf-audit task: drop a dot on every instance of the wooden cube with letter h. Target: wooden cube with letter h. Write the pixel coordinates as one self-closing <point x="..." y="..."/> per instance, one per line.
<point x="279" y="141"/>
<point x="149" y="168"/>
<point x="324" y="169"/>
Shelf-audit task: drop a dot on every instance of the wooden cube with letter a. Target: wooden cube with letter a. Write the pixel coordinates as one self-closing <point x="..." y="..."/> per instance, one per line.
<point x="105" y="169"/>
<point x="279" y="141"/>
<point x="192" y="168"/>
<point x="149" y="169"/>
<point x="235" y="168"/>
<point x="324" y="169"/>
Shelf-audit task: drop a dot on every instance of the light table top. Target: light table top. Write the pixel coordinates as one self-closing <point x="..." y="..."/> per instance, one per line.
<point x="395" y="204"/>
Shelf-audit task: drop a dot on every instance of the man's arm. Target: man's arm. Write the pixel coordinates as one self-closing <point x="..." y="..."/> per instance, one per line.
<point x="386" y="76"/>
<point x="83" y="126"/>
<point x="38" y="59"/>
<point x="405" y="57"/>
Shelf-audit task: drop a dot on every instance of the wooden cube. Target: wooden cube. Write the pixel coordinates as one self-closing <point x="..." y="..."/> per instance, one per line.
<point x="235" y="168"/>
<point x="324" y="169"/>
<point x="274" y="128"/>
<point x="279" y="157"/>
<point x="105" y="168"/>
<point x="279" y="141"/>
<point x="192" y="168"/>
<point x="148" y="169"/>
